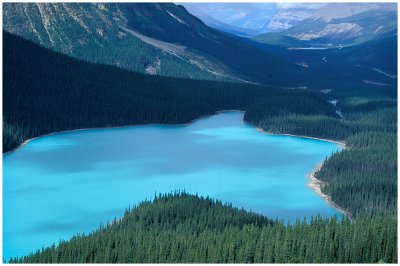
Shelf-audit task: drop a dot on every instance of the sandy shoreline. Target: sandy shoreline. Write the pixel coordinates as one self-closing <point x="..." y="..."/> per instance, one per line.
<point x="340" y="143"/>
<point x="314" y="183"/>
<point x="317" y="185"/>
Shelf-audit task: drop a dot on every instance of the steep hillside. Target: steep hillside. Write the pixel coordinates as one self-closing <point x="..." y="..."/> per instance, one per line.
<point x="155" y="21"/>
<point x="45" y="91"/>
<point x="377" y="53"/>
<point x="99" y="33"/>
<point x="162" y="39"/>
<point x="370" y="61"/>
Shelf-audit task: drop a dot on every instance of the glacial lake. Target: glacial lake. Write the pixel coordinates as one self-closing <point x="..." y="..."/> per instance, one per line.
<point x="67" y="183"/>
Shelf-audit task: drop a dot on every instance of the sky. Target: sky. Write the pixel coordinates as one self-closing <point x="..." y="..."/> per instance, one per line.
<point x="245" y="15"/>
<point x="248" y="15"/>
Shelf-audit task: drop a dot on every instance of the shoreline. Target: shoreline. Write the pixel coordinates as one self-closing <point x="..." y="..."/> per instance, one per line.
<point x="313" y="183"/>
<point x="114" y="127"/>
<point x="340" y="143"/>
<point x="316" y="185"/>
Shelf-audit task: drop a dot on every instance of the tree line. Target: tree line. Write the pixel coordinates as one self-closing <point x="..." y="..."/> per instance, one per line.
<point x="362" y="179"/>
<point x="44" y="91"/>
<point x="179" y="227"/>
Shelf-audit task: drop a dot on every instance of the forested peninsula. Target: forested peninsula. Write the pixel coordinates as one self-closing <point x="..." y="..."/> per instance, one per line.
<point x="179" y="227"/>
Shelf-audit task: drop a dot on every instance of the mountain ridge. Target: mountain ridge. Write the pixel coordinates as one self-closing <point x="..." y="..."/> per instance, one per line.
<point x="94" y="32"/>
<point x="97" y="33"/>
<point x="342" y="31"/>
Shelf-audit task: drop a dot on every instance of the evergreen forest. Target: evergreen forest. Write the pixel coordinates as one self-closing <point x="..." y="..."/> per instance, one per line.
<point x="185" y="228"/>
<point x="45" y="92"/>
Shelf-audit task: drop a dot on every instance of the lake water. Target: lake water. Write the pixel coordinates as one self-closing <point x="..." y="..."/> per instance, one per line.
<point x="67" y="183"/>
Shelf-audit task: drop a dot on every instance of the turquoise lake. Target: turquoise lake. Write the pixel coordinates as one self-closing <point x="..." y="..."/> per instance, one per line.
<point x="67" y="183"/>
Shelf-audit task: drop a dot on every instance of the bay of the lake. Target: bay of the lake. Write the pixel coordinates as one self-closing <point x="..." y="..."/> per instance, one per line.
<point x="71" y="182"/>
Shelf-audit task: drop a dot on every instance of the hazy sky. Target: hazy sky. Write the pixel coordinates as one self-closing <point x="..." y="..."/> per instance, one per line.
<point x="247" y="15"/>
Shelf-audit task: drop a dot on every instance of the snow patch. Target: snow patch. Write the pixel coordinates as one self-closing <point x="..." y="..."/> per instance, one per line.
<point x="178" y="19"/>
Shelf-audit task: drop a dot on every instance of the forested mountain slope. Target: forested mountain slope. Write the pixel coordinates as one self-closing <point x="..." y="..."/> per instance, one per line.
<point x="362" y="178"/>
<point x="162" y="39"/>
<point x="181" y="228"/>
<point x="154" y="20"/>
<point x="98" y="33"/>
<point x="45" y="91"/>
<point x="372" y="61"/>
<point x="54" y="92"/>
<point x="376" y="53"/>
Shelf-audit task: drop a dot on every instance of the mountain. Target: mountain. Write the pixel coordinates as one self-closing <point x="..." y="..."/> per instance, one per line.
<point x="249" y="63"/>
<point x="217" y="24"/>
<point x="340" y="25"/>
<point x="293" y="14"/>
<point x="286" y="19"/>
<point x="45" y="91"/>
<point x="355" y="29"/>
<point x="162" y="39"/>
<point x="277" y="17"/>
<point x="247" y="16"/>
<point x="377" y="54"/>
<point x="98" y="33"/>
<point x="371" y="61"/>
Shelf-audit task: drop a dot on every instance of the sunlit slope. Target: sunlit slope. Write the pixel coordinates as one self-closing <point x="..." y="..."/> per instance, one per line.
<point x="162" y="39"/>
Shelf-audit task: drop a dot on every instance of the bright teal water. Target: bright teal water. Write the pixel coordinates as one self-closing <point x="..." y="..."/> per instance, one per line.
<point x="68" y="183"/>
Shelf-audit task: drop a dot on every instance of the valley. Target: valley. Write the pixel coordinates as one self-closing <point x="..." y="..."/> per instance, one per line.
<point x="149" y="83"/>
